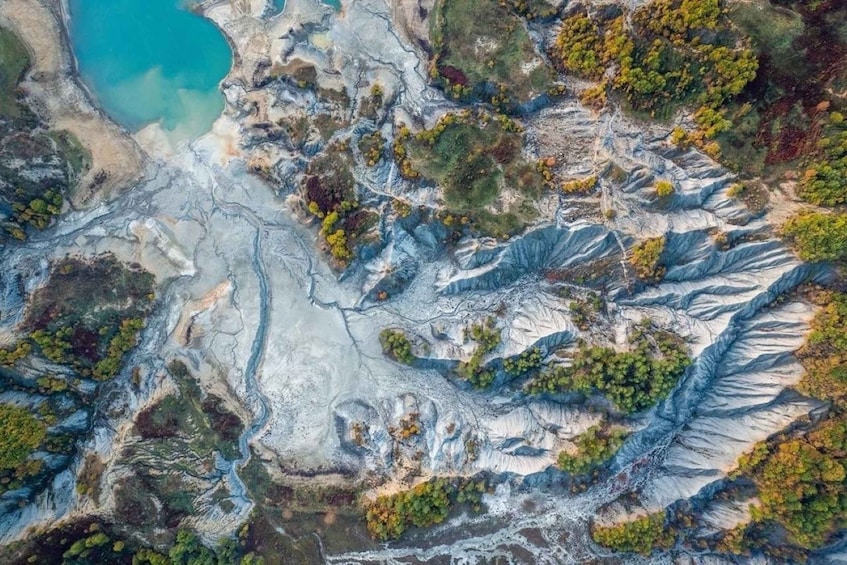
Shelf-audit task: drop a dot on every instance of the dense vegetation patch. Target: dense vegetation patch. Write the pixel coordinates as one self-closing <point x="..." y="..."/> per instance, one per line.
<point x="642" y="535"/>
<point x="475" y="158"/>
<point x="825" y="180"/>
<point x="593" y="448"/>
<point x="632" y="380"/>
<point x="427" y="504"/>
<point x="330" y="191"/>
<point x="486" y="335"/>
<point x="824" y="355"/>
<point x="38" y="167"/>
<point x="482" y="50"/>
<point x="523" y="363"/>
<point x="663" y="55"/>
<point x="801" y="485"/>
<point x="87" y="542"/>
<point x="396" y="345"/>
<point x="20" y="434"/>
<point x="818" y="236"/>
<point x="89" y="313"/>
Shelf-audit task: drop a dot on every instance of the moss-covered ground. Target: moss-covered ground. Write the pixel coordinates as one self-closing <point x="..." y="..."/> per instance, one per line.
<point x="481" y="50"/>
<point x="476" y="159"/>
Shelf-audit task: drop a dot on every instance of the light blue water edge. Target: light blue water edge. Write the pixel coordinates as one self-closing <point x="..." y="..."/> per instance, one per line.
<point x="279" y="5"/>
<point x="151" y="62"/>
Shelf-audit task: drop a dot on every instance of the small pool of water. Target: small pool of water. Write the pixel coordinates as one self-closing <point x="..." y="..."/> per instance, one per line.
<point x="151" y="61"/>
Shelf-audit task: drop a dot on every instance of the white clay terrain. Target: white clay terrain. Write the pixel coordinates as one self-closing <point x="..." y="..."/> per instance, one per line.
<point x="248" y="300"/>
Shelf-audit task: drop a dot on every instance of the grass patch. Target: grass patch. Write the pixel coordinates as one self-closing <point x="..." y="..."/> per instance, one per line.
<point x="482" y="50"/>
<point x="14" y="60"/>
<point x="203" y="423"/>
<point x="77" y="156"/>
<point x="773" y="30"/>
<point x="477" y="160"/>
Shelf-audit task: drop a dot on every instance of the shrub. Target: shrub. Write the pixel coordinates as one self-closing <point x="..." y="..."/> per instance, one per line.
<point x="487" y="336"/>
<point x="371" y="146"/>
<point x="664" y="188"/>
<point x="586" y="184"/>
<point x="396" y="345"/>
<point x="646" y="259"/>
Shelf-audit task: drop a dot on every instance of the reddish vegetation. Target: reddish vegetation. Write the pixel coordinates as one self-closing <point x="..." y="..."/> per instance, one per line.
<point x="824" y="57"/>
<point x="454" y="75"/>
<point x="225" y="423"/>
<point x="322" y="194"/>
<point x="85" y="344"/>
<point x="154" y="423"/>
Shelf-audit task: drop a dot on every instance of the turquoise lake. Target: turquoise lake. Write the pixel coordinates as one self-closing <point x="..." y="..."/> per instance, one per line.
<point x="151" y="61"/>
<point x="279" y="5"/>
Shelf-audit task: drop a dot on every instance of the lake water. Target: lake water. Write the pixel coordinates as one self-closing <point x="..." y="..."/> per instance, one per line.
<point x="279" y="5"/>
<point x="151" y="61"/>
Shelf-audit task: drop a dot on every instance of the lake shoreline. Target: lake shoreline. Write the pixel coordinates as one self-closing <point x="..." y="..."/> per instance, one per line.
<point x="53" y="85"/>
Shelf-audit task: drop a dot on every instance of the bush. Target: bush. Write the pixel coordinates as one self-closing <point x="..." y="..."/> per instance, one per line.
<point x="371" y="146"/>
<point x="664" y="188"/>
<point x="396" y="345"/>
<point x="487" y="336"/>
<point x="642" y="535"/>
<point x="818" y="236"/>
<point x="646" y="258"/>
<point x="586" y="184"/>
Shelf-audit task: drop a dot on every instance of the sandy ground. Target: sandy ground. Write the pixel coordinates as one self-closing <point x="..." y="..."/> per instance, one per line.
<point x="61" y="100"/>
